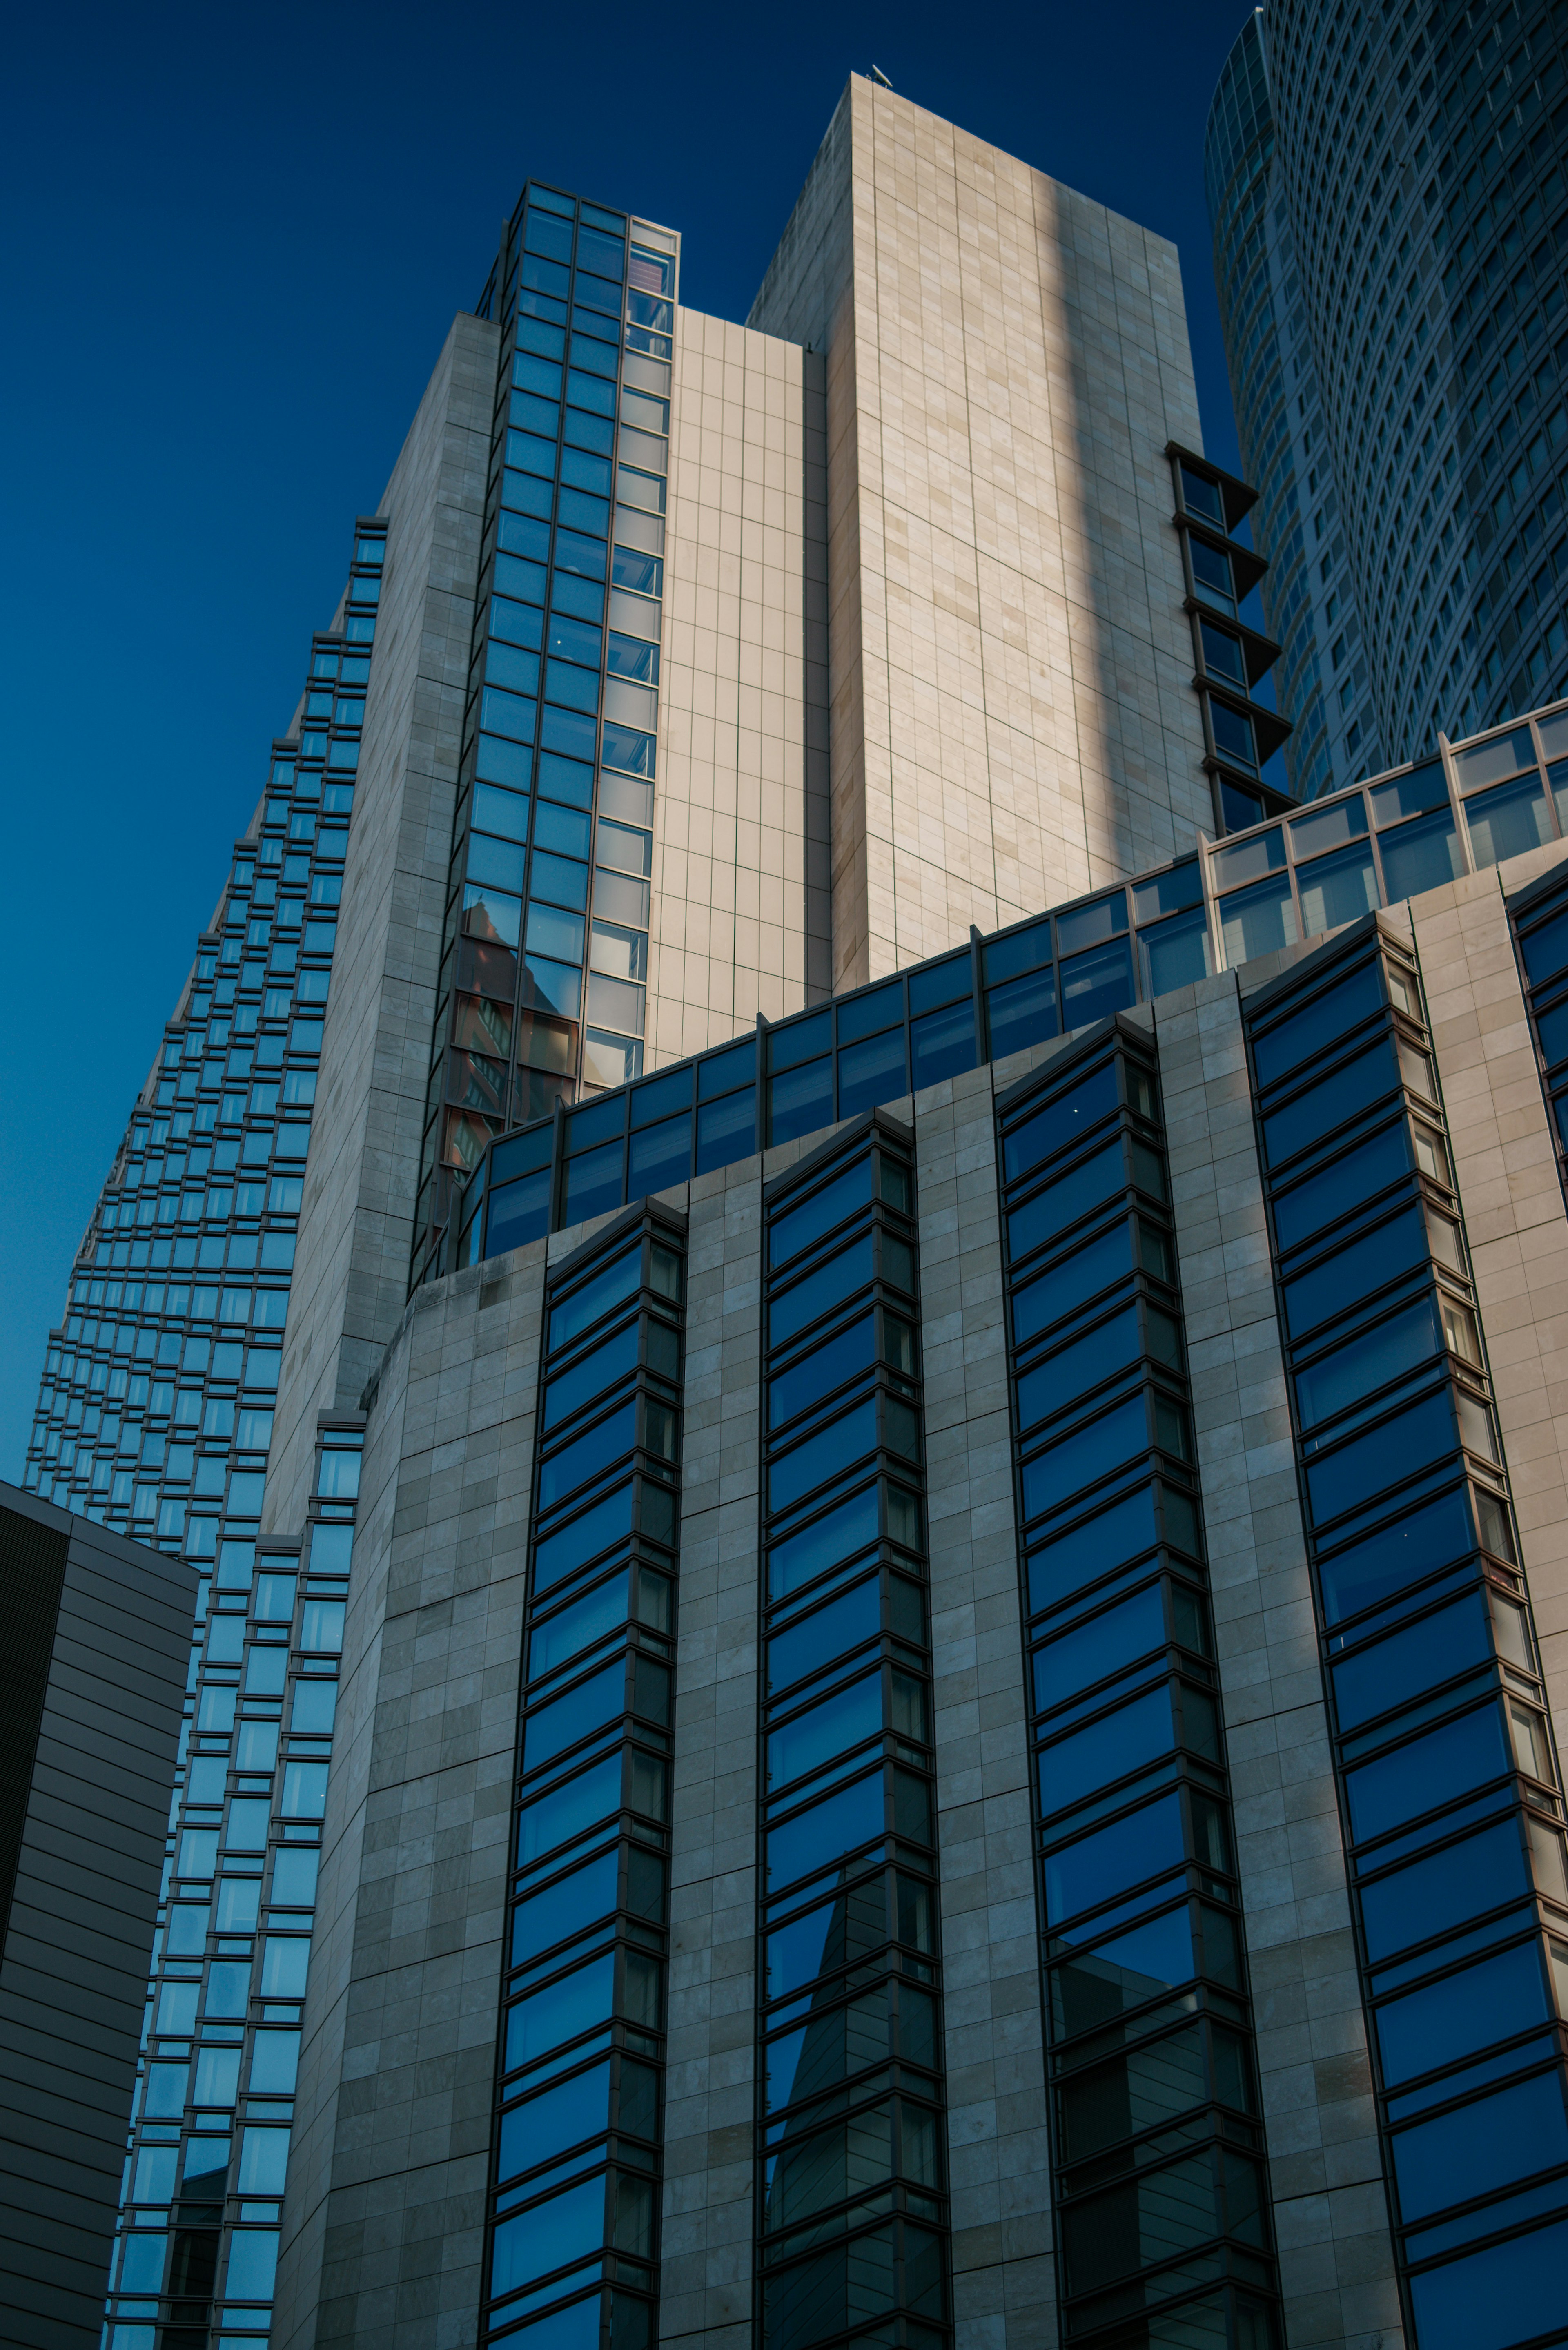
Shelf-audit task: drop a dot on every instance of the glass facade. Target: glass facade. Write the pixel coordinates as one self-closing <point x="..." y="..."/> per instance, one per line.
<point x="1242" y="896"/>
<point x="852" y="2209"/>
<point x="1451" y="1798"/>
<point x="1160" y="2176"/>
<point x="572" y="2245"/>
<point x="1309" y="596"/>
<point x="1418" y="165"/>
<point x="544" y="976"/>
<point x="1540" y="921"/>
<point x="155" y="1418"/>
<point x="1230" y="659"/>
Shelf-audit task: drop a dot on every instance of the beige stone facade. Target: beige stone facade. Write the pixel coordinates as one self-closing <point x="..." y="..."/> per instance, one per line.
<point x="1012" y="717"/>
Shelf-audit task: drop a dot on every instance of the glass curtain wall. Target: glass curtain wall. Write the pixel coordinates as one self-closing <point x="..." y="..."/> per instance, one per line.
<point x="851" y="2210"/>
<point x="543" y="988"/>
<point x="1159" y="2173"/>
<point x="1540" y="921"/>
<point x="1308" y="597"/>
<point x="155" y="1418"/>
<point x="1420" y="152"/>
<point x="572" y="2245"/>
<point x="1450" y="1798"/>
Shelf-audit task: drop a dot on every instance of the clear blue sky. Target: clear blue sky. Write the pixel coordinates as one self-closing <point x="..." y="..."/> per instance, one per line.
<point x="236" y="239"/>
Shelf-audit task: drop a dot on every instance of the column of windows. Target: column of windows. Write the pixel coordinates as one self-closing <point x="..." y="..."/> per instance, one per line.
<point x="1160" y="2182"/>
<point x="851" y="2210"/>
<point x="573" y="2246"/>
<point x="1450" y="1792"/>
<point x="155" y="1417"/>
<point x="542" y="986"/>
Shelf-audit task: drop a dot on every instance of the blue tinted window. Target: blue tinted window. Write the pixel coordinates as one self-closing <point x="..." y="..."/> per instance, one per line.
<point x="800" y="1100"/>
<point x="1398" y="1555"/>
<point x="1021" y="1013"/>
<point x="1120" y="1742"/>
<point x="1341" y="1096"/>
<point x="1342" y="1280"/>
<point x="816" y="1838"/>
<point x="1082" y="1875"/>
<point x="798" y="1227"/>
<point x="1072" y="1369"/>
<point x="1071" y="1284"/>
<point x="612" y="1284"/>
<point x="1402" y="1339"/>
<point x="518" y="1212"/>
<point x="564" y="1908"/>
<point x="837" y="1536"/>
<point x="1461" y="2013"/>
<point x="1100" y="1647"/>
<point x="940" y="1045"/>
<point x="1087" y="1456"/>
<point x="1421" y="856"/>
<point x="1427" y="1896"/>
<point x="586" y="1455"/>
<point x="1094" y="1181"/>
<point x="1019" y="951"/>
<point x="591" y="1706"/>
<point x="1325" y="1197"/>
<point x="1510" y="2293"/>
<point x="565" y="2115"/>
<point x="568" y="1390"/>
<point x="1097" y="983"/>
<point x="1394" y="1450"/>
<point x="849" y="1434"/>
<point x="868" y="1073"/>
<point x="1481" y="2147"/>
<point x="830" y="1631"/>
<point x="594" y="1530"/>
<point x="1052" y="1129"/>
<point x="726" y="1131"/>
<point x="660" y="1156"/>
<point x="578" y="1628"/>
<point x="1430" y="1770"/>
<point x="831" y="1283"/>
<point x="1439" y="1645"/>
<point x="1303" y="1035"/>
<point x="816" y="1375"/>
<point x="813" y="1738"/>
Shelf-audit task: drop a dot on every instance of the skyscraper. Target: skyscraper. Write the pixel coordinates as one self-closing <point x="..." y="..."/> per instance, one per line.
<point x="900" y="1669"/>
<point x="1386" y="194"/>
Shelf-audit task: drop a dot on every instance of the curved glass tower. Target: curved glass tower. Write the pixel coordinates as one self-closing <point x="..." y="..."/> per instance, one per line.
<point x="1386" y="190"/>
<point x="1308" y="596"/>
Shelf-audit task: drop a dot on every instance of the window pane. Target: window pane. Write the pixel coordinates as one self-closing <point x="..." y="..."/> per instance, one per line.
<point x="1258" y="921"/>
<point x="1336" y="888"/>
<point x="1421" y="856"/>
<point x="1506" y="822"/>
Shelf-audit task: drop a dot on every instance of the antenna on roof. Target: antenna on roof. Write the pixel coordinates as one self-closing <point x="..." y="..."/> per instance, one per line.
<point x="879" y="76"/>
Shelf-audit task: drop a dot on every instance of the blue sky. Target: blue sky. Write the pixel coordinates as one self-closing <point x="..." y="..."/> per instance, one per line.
<point x="237" y="239"/>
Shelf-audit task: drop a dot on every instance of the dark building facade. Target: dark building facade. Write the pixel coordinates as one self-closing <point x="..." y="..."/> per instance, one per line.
<point x="95" y="1641"/>
<point x="1387" y="195"/>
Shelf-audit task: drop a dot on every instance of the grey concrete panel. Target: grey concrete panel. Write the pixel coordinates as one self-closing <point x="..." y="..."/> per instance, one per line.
<point x="1330" y="2218"/>
<point x="709" y="2206"/>
<point x="998" y="2142"/>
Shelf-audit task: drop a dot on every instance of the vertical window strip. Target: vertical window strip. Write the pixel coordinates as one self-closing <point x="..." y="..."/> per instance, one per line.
<point x="1449" y="1785"/>
<point x="852" y="2211"/>
<point x="1539" y="923"/>
<point x="543" y="983"/>
<point x="576" y="2148"/>
<point x="1159" y="2173"/>
<point x="166" y="1374"/>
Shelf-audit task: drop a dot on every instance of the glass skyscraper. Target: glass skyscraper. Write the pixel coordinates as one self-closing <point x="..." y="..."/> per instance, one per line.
<point x="1386" y="188"/>
<point x="832" y="1319"/>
